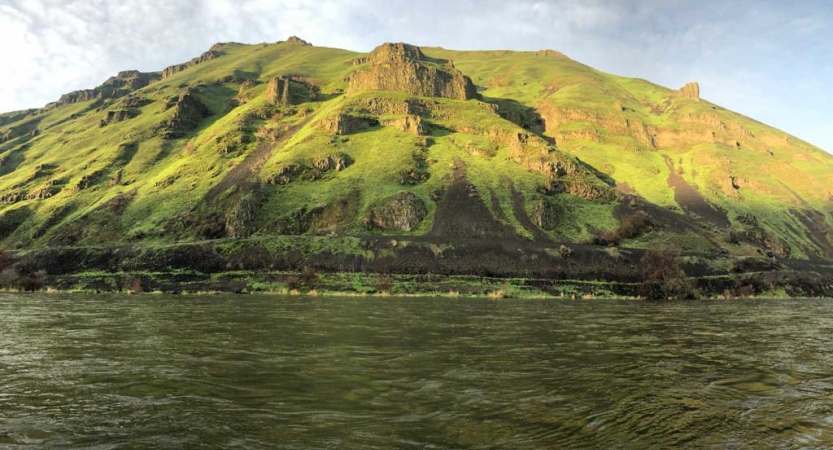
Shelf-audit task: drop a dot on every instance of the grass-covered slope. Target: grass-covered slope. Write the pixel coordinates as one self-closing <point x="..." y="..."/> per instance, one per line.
<point x="291" y="139"/>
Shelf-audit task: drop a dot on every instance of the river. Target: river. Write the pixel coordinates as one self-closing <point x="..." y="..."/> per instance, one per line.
<point x="157" y="371"/>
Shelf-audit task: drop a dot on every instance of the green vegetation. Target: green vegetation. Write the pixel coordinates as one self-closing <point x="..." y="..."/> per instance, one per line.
<point x="551" y="152"/>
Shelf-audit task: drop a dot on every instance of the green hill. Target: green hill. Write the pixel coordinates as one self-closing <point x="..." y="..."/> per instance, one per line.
<point x="261" y="142"/>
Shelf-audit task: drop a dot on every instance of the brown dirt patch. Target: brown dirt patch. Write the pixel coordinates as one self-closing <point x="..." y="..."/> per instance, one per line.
<point x="250" y="166"/>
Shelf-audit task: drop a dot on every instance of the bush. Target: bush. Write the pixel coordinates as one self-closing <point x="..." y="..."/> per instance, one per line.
<point x="132" y="284"/>
<point x="663" y="277"/>
<point x="310" y="277"/>
<point x="34" y="282"/>
<point x="630" y="227"/>
<point x="293" y="282"/>
<point x="384" y="283"/>
<point x="9" y="278"/>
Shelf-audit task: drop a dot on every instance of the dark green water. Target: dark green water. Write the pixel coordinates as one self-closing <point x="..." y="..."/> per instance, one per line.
<point x="270" y="372"/>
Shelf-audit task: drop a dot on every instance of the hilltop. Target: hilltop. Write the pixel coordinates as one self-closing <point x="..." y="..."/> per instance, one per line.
<point x="272" y="157"/>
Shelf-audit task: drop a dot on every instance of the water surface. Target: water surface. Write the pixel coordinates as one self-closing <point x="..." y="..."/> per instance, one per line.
<point x="81" y="371"/>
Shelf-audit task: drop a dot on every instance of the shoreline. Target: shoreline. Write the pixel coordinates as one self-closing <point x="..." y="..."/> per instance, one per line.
<point x="368" y="285"/>
<point x="367" y="266"/>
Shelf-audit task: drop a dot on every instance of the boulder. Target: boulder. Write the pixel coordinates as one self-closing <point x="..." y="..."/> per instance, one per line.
<point x="401" y="212"/>
<point x="404" y="68"/>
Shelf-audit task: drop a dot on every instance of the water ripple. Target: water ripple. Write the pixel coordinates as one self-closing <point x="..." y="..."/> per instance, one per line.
<point x="270" y="372"/>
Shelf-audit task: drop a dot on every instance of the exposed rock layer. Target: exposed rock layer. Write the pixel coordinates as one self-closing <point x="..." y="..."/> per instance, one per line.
<point x="404" y="68"/>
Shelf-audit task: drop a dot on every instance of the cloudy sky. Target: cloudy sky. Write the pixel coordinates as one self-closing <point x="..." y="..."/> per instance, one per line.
<point x="771" y="60"/>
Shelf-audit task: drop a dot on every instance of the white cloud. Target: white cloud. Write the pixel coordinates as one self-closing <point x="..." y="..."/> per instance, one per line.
<point x="755" y="57"/>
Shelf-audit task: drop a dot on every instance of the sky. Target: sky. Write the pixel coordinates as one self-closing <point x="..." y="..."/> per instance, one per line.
<point x="770" y="60"/>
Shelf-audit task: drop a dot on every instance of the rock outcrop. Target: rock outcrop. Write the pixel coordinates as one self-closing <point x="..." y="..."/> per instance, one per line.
<point x="378" y="106"/>
<point x="407" y="124"/>
<point x="278" y="92"/>
<point x="553" y="53"/>
<point x="134" y="101"/>
<point x="119" y="115"/>
<point x="29" y="128"/>
<point x="240" y="221"/>
<point x="310" y="170"/>
<point x="115" y="87"/>
<point x="545" y="214"/>
<point x="690" y="90"/>
<point x="404" y="68"/>
<point x="188" y="112"/>
<point x="285" y="91"/>
<point x="176" y="68"/>
<point x="298" y="41"/>
<point x="402" y="212"/>
<point x="342" y="124"/>
<point x="335" y="162"/>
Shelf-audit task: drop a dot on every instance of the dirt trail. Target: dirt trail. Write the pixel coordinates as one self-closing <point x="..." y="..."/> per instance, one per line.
<point x="250" y="166"/>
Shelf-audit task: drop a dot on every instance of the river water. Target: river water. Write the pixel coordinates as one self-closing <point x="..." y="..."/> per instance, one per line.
<point x="81" y="371"/>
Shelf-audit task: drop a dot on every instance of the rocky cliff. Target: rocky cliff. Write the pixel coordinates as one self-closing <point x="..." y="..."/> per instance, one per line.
<point x="118" y="86"/>
<point x="404" y="68"/>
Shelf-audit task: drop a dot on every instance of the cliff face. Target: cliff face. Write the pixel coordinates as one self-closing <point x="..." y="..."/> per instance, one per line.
<point x="176" y="68"/>
<point x="404" y="68"/>
<point x="115" y="87"/>
<point x="286" y="138"/>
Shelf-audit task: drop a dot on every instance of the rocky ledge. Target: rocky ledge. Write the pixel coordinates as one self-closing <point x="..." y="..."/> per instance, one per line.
<point x="404" y="68"/>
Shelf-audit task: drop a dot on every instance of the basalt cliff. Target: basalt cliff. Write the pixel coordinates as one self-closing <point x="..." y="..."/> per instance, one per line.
<point x="409" y="161"/>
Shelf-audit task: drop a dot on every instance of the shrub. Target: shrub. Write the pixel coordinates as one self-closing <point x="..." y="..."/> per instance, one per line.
<point x="34" y="282"/>
<point x="664" y="278"/>
<point x="630" y="227"/>
<point x="293" y="282"/>
<point x="9" y="278"/>
<point x="384" y="283"/>
<point x="132" y="284"/>
<point x="496" y="295"/>
<point x="310" y="277"/>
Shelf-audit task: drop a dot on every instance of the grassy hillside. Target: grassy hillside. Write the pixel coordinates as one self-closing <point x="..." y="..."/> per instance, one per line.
<point x="263" y="140"/>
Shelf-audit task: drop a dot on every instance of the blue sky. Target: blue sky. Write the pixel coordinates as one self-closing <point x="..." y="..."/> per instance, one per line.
<point x="770" y="60"/>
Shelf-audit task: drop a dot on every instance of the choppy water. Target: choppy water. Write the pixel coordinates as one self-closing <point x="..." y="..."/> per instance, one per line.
<point x="270" y="372"/>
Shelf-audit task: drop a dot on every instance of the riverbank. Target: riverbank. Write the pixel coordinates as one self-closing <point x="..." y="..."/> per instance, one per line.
<point x="387" y="266"/>
<point x="314" y="284"/>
